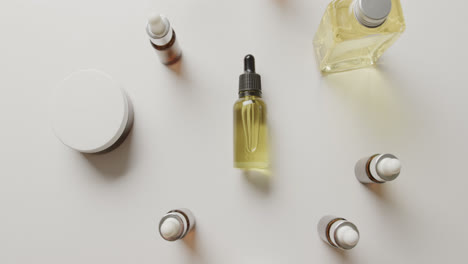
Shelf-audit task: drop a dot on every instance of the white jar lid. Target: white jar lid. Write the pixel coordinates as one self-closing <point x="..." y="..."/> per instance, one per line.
<point x="90" y="111"/>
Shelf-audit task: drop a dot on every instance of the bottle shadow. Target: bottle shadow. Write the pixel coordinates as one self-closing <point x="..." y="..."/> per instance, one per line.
<point x="281" y="3"/>
<point x="382" y="193"/>
<point x="377" y="190"/>
<point x="385" y="199"/>
<point x="190" y="241"/>
<point x="375" y="99"/>
<point x="259" y="178"/>
<point x="178" y="67"/>
<point x="342" y="255"/>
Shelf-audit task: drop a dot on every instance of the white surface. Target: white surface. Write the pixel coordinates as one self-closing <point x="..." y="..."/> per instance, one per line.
<point x="347" y="236"/>
<point x="58" y="206"/>
<point x="89" y="111"/>
<point x="170" y="228"/>
<point x="388" y="167"/>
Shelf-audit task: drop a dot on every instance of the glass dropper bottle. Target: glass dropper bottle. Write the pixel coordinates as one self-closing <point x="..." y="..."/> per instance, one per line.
<point x="251" y="150"/>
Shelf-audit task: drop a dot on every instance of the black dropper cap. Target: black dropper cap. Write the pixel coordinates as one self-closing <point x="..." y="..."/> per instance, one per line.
<point x="249" y="81"/>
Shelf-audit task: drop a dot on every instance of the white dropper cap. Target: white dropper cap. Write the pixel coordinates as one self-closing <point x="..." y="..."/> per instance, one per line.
<point x="170" y="228"/>
<point x="388" y="167"/>
<point x="347" y="236"/>
<point x="157" y="25"/>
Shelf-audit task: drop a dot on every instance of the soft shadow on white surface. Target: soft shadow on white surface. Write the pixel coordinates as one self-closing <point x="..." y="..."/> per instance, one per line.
<point x="114" y="164"/>
<point x="387" y="200"/>
<point x="281" y="3"/>
<point x="341" y="255"/>
<point x="391" y="209"/>
<point x="190" y="240"/>
<point x="193" y="245"/>
<point x="374" y="98"/>
<point x="377" y="189"/>
<point x="178" y="67"/>
<point x="260" y="179"/>
<point x="383" y="192"/>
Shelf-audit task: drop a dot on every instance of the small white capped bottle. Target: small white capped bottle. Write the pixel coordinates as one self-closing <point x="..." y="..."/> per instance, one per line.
<point x="379" y="168"/>
<point x="176" y="224"/>
<point x="163" y="39"/>
<point x="338" y="232"/>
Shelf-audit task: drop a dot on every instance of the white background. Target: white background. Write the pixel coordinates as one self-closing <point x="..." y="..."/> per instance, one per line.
<point x="59" y="206"/>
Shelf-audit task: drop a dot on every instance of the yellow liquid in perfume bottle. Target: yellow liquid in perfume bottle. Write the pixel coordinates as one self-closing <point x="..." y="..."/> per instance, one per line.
<point x="342" y="43"/>
<point x="250" y="134"/>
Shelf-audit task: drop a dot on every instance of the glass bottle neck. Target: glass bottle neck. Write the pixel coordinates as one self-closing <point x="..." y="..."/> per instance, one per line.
<point x="250" y="93"/>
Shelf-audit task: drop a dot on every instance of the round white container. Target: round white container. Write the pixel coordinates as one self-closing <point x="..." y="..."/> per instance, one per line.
<point x="91" y="113"/>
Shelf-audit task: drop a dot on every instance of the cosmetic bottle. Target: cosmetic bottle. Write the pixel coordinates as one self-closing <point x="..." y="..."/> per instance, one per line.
<point x="338" y="232"/>
<point x="163" y="39"/>
<point x="250" y="121"/>
<point x="379" y="168"/>
<point x="355" y="33"/>
<point x="91" y="113"/>
<point x="176" y="224"/>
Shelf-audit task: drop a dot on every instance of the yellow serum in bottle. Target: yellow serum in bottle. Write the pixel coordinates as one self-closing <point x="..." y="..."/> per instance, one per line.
<point x="250" y="121"/>
<point x="355" y="33"/>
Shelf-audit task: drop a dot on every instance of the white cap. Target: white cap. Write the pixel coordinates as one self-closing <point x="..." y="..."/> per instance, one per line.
<point x="157" y="24"/>
<point x="347" y="236"/>
<point x="170" y="228"/>
<point x="372" y="13"/>
<point x="388" y="167"/>
<point x="90" y="111"/>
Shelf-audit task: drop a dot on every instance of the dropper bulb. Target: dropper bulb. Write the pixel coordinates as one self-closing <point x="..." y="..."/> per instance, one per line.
<point x="249" y="63"/>
<point x="156" y="24"/>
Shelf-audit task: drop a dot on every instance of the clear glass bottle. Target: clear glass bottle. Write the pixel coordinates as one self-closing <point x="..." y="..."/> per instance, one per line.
<point x="250" y="126"/>
<point x="355" y="33"/>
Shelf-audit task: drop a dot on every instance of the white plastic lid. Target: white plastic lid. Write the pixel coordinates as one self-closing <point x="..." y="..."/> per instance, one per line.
<point x="157" y="24"/>
<point x="347" y="236"/>
<point x="388" y="167"/>
<point x="89" y="111"/>
<point x="170" y="228"/>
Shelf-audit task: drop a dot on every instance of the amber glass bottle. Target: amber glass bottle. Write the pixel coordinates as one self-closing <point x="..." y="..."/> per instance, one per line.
<point x="250" y="127"/>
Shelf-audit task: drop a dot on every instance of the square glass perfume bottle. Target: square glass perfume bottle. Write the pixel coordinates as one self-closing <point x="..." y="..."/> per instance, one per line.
<point x="355" y="33"/>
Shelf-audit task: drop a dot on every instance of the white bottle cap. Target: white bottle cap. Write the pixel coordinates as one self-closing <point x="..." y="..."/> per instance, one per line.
<point x="157" y="25"/>
<point x="171" y="228"/>
<point x="388" y="167"/>
<point x="347" y="236"/>
<point x="90" y="112"/>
